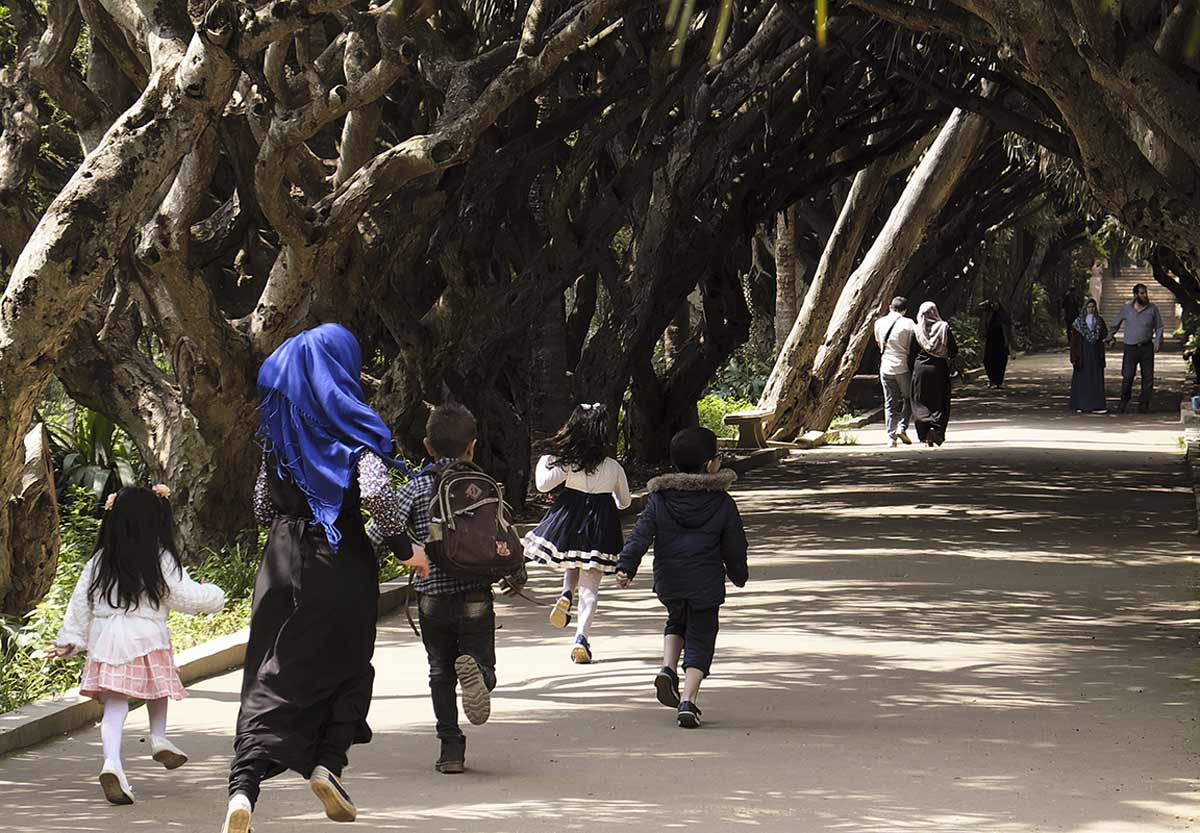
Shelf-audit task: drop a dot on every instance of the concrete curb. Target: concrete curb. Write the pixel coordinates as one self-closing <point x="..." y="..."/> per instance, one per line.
<point x="46" y="719"/>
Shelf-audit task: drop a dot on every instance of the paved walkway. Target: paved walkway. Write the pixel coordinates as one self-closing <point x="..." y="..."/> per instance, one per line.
<point x="998" y="635"/>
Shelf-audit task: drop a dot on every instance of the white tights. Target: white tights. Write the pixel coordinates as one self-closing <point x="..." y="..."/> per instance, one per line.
<point x="112" y="725"/>
<point x="588" y="584"/>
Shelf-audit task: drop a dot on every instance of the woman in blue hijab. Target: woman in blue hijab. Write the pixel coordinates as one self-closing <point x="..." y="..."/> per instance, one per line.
<point x="306" y="687"/>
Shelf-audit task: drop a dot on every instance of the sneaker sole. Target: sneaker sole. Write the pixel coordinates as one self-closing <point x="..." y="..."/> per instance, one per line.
<point x="111" y="785"/>
<point x="664" y="688"/>
<point x="560" y="617"/>
<point x="237" y="821"/>
<point x="477" y="700"/>
<point x="580" y="655"/>
<point x="337" y="808"/>
<point x="169" y="759"/>
<point x="453" y="768"/>
<point x="687" y="720"/>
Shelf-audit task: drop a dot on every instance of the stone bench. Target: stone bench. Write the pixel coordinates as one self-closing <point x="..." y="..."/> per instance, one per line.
<point x="750" y="427"/>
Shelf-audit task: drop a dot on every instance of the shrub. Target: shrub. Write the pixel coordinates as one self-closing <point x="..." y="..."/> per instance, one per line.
<point x="712" y="410"/>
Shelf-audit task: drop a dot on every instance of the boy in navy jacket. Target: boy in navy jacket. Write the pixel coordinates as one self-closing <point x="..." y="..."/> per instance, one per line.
<point x="698" y="540"/>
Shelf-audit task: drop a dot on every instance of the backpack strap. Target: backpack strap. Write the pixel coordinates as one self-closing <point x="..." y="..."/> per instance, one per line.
<point x="883" y="346"/>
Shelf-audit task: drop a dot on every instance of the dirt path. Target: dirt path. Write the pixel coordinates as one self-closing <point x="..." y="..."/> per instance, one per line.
<point x="998" y="635"/>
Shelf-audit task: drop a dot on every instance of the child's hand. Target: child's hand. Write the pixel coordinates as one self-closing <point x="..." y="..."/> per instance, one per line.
<point x="624" y="579"/>
<point x="59" y="651"/>
<point x="419" y="563"/>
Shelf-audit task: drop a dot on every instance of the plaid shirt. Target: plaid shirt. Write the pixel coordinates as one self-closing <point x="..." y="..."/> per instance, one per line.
<point x="414" y="501"/>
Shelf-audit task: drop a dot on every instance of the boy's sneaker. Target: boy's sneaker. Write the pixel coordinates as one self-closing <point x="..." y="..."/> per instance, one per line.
<point x="477" y="700"/>
<point x="237" y="817"/>
<point x="167" y="753"/>
<point x="560" y="615"/>
<point x="688" y="716"/>
<point x="581" y="654"/>
<point x="115" y="785"/>
<point x="666" y="686"/>
<point x="453" y="759"/>
<point x="338" y="804"/>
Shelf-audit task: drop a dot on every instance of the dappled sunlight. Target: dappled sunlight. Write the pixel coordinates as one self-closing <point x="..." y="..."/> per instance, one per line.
<point x="993" y="640"/>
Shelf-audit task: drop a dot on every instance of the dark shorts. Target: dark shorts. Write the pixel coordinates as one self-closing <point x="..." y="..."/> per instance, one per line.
<point x="698" y="627"/>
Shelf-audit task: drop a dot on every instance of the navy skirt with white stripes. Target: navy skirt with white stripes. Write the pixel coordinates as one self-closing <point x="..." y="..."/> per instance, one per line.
<point x="580" y="530"/>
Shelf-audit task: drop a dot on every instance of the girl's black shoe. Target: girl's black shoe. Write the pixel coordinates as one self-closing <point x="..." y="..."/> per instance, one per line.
<point x="666" y="686"/>
<point x="688" y="716"/>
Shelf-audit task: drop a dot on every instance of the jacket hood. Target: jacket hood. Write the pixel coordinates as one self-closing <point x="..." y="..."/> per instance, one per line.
<point x="692" y="499"/>
<point x="719" y="482"/>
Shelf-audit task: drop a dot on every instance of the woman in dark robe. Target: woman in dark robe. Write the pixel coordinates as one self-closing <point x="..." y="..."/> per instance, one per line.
<point x="996" y="343"/>
<point x="1087" y="357"/>
<point x="306" y="687"/>
<point x="929" y="357"/>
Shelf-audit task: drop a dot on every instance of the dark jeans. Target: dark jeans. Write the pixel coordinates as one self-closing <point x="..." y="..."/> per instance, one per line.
<point x="1138" y="356"/>
<point x="462" y="623"/>
<point x="698" y="627"/>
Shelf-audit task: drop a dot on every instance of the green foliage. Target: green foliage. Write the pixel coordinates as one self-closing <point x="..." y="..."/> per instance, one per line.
<point x="966" y="339"/>
<point x="712" y="410"/>
<point x="742" y="377"/>
<point x="26" y="674"/>
<point x="93" y="454"/>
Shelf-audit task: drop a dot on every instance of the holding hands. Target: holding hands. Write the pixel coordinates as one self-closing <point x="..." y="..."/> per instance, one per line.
<point x="624" y="579"/>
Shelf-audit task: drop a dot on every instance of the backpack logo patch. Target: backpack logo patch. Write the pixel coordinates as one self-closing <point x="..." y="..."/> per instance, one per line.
<point x="473" y="492"/>
<point x="502" y="549"/>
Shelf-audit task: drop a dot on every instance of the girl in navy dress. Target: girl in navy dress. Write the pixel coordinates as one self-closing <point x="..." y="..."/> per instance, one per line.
<point x="581" y="534"/>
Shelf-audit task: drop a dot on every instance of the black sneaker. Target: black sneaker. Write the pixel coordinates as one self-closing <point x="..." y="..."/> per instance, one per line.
<point x="688" y="716"/>
<point x="477" y="700"/>
<point x="327" y="787"/>
<point x="666" y="686"/>
<point x="453" y="759"/>
<point x="1122" y="406"/>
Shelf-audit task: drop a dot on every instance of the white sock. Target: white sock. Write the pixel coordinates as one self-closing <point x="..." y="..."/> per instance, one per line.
<point x="570" y="580"/>
<point x="589" y="589"/>
<point x="158" y="717"/>
<point x="112" y="727"/>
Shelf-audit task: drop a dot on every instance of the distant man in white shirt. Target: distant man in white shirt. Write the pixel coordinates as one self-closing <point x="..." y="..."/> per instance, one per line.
<point x="893" y="334"/>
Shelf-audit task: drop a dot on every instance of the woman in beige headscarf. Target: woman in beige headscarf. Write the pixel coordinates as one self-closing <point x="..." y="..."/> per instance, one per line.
<point x="929" y="357"/>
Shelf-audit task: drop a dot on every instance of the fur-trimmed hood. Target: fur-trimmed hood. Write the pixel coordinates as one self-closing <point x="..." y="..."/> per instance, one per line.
<point x="719" y="482"/>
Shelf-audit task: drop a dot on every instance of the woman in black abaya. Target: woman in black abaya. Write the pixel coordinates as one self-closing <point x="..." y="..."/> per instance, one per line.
<point x="929" y="357"/>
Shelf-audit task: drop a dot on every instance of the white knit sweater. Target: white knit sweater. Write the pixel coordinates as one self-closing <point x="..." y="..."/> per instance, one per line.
<point x="116" y="636"/>
<point x="609" y="478"/>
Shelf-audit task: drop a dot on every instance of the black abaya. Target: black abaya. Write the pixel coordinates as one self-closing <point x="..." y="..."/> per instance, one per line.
<point x="996" y="347"/>
<point x="931" y="390"/>
<point x="306" y="687"/>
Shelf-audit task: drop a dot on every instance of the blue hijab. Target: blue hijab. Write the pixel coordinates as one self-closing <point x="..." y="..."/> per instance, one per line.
<point x="312" y="417"/>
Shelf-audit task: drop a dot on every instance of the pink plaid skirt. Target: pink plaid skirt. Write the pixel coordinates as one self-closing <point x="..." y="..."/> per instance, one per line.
<point x="149" y="677"/>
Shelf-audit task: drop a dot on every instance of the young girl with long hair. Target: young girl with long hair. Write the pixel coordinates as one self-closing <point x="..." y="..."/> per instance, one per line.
<point x="581" y="534"/>
<point x="118" y="614"/>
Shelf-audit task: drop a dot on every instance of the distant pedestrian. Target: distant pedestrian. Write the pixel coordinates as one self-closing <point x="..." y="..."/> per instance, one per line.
<point x="699" y="541"/>
<point x="893" y="334"/>
<point x="997" y="342"/>
<point x="1087" y="359"/>
<point x="1143" y="338"/>
<point x="930" y="354"/>
<point x="581" y="534"/>
<point x="118" y="614"/>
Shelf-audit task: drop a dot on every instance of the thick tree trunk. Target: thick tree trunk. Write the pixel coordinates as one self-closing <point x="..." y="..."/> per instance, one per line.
<point x="791" y="373"/>
<point x="814" y="406"/>
<point x="27" y="573"/>
<point x="788" y="274"/>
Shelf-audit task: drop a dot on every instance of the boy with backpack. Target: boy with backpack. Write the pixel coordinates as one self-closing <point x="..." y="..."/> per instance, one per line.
<point x="698" y="540"/>
<point x="457" y="512"/>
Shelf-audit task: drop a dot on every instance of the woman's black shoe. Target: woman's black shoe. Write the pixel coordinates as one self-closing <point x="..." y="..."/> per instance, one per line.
<point x="453" y="759"/>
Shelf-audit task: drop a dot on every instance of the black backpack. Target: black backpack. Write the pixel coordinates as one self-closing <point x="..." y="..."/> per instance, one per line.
<point x="470" y="533"/>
